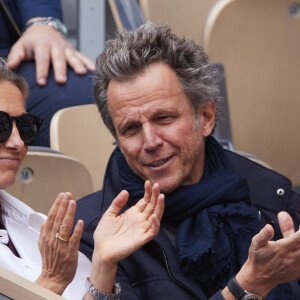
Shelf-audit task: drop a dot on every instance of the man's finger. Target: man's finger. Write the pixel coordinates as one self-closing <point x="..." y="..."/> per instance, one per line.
<point x="262" y="238"/>
<point x="16" y="56"/>
<point x="87" y="62"/>
<point x="148" y="191"/>
<point x="286" y="224"/>
<point x="42" y="61"/>
<point x="74" y="61"/>
<point x="118" y="203"/>
<point x="141" y="205"/>
<point x="160" y="205"/>
<point x="59" y="63"/>
<point x="149" y="209"/>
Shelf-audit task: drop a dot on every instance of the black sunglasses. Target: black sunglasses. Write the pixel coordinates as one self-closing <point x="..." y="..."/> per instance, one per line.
<point x="28" y="126"/>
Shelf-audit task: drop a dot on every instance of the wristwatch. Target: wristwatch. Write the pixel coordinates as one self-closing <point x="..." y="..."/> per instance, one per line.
<point x="94" y="292"/>
<point x="239" y="293"/>
<point x="53" y="22"/>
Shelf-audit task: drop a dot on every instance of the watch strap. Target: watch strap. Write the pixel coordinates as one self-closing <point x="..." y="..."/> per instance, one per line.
<point x="238" y="292"/>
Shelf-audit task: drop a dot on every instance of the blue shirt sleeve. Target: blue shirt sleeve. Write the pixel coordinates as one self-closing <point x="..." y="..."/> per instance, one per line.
<point x="28" y="9"/>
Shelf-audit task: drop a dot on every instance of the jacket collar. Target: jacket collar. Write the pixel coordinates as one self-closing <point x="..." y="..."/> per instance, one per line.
<point x="260" y="179"/>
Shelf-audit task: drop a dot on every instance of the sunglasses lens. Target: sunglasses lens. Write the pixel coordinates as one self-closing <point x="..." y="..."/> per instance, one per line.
<point x="5" y="127"/>
<point x="28" y="126"/>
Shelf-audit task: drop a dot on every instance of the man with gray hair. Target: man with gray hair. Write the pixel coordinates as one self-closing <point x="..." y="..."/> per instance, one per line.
<point x="158" y="96"/>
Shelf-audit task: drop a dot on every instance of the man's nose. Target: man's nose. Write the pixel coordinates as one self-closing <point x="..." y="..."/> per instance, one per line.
<point x="151" y="138"/>
<point x="14" y="141"/>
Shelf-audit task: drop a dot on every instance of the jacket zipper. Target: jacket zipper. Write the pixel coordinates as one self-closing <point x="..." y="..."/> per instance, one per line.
<point x="170" y="273"/>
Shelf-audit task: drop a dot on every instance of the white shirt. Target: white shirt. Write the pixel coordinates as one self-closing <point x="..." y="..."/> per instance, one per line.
<point x="23" y="226"/>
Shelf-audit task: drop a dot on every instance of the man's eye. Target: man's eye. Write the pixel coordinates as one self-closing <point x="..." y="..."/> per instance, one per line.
<point x="130" y="128"/>
<point x="162" y="118"/>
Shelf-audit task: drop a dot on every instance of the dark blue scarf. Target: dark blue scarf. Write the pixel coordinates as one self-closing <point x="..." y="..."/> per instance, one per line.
<point x="214" y="219"/>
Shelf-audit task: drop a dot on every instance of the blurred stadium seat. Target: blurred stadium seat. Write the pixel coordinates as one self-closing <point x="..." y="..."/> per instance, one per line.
<point x="79" y="132"/>
<point x="45" y="173"/>
<point x="186" y="18"/>
<point x="258" y="42"/>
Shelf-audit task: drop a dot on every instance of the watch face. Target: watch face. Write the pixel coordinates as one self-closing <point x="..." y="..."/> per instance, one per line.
<point x="61" y="27"/>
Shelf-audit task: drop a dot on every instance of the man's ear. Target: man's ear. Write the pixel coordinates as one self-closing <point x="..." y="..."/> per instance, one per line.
<point x="207" y="118"/>
<point x="116" y="141"/>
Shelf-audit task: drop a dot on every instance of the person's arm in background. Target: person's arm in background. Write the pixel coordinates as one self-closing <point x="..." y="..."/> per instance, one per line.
<point x="45" y="44"/>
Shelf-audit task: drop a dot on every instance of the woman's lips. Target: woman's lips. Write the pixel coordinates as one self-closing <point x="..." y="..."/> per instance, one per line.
<point x="15" y="161"/>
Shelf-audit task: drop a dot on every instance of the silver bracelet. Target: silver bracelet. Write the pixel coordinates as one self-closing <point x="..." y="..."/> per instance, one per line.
<point x="94" y="292"/>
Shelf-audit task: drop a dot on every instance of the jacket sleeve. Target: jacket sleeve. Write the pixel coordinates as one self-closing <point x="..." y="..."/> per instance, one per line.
<point x="127" y="292"/>
<point x="217" y="296"/>
<point x="28" y="9"/>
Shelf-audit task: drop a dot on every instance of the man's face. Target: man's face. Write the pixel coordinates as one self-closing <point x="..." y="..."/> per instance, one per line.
<point x="154" y="124"/>
<point x="12" y="151"/>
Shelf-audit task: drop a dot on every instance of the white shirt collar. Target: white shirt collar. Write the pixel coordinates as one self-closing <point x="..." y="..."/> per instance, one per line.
<point x="13" y="208"/>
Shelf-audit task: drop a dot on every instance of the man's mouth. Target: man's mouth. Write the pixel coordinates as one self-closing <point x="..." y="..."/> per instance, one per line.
<point x="161" y="162"/>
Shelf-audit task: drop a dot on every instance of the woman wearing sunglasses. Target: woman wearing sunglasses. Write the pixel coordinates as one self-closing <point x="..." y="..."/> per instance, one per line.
<point x="45" y="250"/>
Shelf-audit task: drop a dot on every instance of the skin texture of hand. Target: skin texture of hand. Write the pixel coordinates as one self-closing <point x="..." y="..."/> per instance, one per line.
<point x="270" y="262"/>
<point x="59" y="258"/>
<point x="45" y="44"/>
<point x="118" y="236"/>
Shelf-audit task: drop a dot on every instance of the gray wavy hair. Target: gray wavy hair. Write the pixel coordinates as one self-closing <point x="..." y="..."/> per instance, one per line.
<point x="6" y="74"/>
<point x="130" y="52"/>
